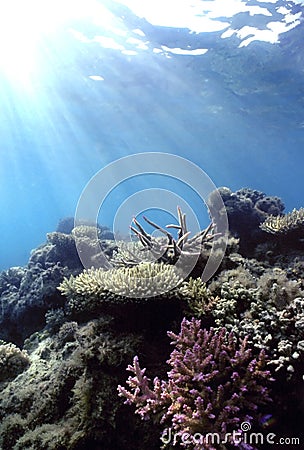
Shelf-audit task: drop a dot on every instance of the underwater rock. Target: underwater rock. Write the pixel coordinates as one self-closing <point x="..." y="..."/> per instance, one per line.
<point x="246" y="210"/>
<point x="26" y="294"/>
<point x="67" y="397"/>
<point x="13" y="361"/>
<point x="10" y="279"/>
<point x="67" y="224"/>
<point x="23" y="308"/>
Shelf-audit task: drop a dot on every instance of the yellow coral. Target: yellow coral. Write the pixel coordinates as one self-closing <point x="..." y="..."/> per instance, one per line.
<point x="199" y="298"/>
<point x="284" y="224"/>
<point x="141" y="281"/>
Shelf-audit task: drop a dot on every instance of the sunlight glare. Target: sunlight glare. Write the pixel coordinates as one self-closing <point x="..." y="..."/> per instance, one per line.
<point x="25" y="25"/>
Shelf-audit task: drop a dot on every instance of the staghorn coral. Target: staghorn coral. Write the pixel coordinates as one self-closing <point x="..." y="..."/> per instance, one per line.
<point x="285" y="224"/>
<point x="213" y="385"/>
<point x="168" y="250"/>
<point x="131" y="253"/>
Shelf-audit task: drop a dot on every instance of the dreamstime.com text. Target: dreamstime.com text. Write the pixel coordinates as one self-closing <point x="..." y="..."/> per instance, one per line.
<point x="236" y="437"/>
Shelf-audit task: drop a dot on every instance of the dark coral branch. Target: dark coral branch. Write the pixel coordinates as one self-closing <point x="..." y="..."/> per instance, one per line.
<point x="170" y="251"/>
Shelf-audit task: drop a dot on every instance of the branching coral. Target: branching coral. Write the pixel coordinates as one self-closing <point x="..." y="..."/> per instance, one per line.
<point x="213" y="385"/>
<point x="169" y="250"/>
<point x="285" y="224"/>
<point x="271" y="319"/>
<point x="141" y="281"/>
<point x="199" y="299"/>
<point x="130" y="253"/>
<point x="216" y="377"/>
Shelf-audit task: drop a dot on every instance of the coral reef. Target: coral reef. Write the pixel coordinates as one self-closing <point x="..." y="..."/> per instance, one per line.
<point x="66" y="398"/>
<point x="131" y="253"/>
<point x="67" y="224"/>
<point x="93" y="249"/>
<point x="268" y="311"/>
<point x="170" y="250"/>
<point x="147" y="294"/>
<point x="200" y="300"/>
<point x="291" y="223"/>
<point x="27" y="293"/>
<point x="59" y="386"/>
<point x="213" y="386"/>
<point x="61" y="248"/>
<point x="12" y="361"/>
<point x="246" y="210"/>
<point x="188" y="254"/>
<point x="25" y="300"/>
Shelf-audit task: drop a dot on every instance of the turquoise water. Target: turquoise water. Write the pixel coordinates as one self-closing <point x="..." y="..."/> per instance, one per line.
<point x="85" y="83"/>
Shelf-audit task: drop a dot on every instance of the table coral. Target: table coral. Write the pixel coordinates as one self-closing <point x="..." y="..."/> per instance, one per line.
<point x="141" y="281"/>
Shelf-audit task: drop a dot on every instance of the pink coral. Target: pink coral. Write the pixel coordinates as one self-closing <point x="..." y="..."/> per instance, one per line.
<point x="213" y="386"/>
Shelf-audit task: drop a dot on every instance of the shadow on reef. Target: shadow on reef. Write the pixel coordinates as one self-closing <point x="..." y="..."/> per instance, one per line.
<point x="237" y="342"/>
<point x="246" y="210"/>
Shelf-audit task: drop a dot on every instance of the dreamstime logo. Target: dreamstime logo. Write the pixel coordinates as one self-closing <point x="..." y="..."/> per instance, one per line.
<point x="128" y="168"/>
<point x="243" y="436"/>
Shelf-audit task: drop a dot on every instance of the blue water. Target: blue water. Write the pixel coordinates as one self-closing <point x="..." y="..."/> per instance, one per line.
<point x="89" y="89"/>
